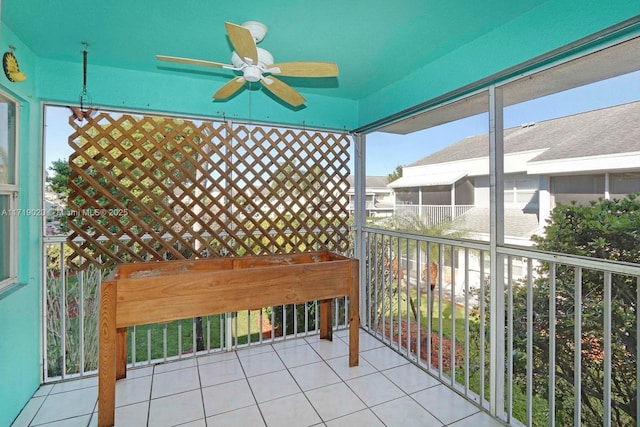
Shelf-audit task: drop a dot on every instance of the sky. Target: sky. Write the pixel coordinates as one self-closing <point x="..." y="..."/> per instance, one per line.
<point x="386" y="151"/>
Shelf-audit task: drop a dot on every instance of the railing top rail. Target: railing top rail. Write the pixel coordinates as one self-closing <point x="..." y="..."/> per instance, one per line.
<point x="63" y="237"/>
<point x="572" y="260"/>
<point x="435" y="206"/>
<point x="617" y="267"/>
<point x="471" y="244"/>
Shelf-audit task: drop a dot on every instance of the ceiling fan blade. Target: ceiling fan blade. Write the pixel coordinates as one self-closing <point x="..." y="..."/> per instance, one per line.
<point x="243" y="42"/>
<point x="283" y="91"/>
<point x="305" y="69"/>
<point x="230" y="88"/>
<point x="190" y="61"/>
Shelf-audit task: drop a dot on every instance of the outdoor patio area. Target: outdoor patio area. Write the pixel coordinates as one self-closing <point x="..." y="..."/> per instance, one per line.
<point x="298" y="382"/>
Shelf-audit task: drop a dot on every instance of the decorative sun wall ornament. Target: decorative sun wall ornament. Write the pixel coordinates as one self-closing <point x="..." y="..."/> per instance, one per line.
<point x="11" y="68"/>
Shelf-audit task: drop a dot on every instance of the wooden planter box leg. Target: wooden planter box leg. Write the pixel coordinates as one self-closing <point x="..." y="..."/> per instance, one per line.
<point x="121" y="353"/>
<point x="326" y="319"/>
<point x="107" y="369"/>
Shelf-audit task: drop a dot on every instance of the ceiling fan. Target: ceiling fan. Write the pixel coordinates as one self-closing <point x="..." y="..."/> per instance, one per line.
<point x="256" y="65"/>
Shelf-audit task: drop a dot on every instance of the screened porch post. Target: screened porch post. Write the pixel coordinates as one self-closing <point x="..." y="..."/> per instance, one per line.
<point x="453" y="200"/>
<point x="360" y="177"/>
<point x="496" y="180"/>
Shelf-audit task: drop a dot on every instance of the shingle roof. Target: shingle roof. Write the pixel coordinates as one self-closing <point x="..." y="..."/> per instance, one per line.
<point x="606" y="131"/>
<point x="516" y="222"/>
<point x="371" y="181"/>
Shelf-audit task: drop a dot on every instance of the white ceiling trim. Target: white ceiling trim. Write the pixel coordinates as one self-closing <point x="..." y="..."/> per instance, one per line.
<point x="604" y="163"/>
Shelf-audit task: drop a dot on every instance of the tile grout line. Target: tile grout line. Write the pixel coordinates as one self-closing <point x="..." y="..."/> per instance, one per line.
<point x="347" y="385"/>
<point x="204" y="410"/>
<point x="37" y="410"/>
<point x="463" y="418"/>
<point x="246" y="378"/>
<point x="153" y="374"/>
<point x="94" y="412"/>
<point x="412" y="363"/>
<point x="409" y="395"/>
<point x="381" y="371"/>
<point x="343" y="381"/>
<point x="48" y="395"/>
<point x="304" y="342"/>
<point x="358" y="396"/>
<point x="294" y="380"/>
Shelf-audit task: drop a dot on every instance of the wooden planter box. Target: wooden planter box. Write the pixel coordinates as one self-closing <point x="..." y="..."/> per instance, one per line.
<point x="156" y="292"/>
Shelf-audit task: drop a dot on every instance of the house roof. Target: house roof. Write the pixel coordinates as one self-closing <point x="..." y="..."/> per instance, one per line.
<point x="516" y="222"/>
<point x="442" y="178"/>
<point x="371" y="181"/>
<point x="611" y="130"/>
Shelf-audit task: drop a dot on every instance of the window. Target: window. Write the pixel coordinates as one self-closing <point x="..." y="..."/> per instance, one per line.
<point x="622" y="184"/>
<point x="8" y="192"/>
<point x="577" y="188"/>
<point x="521" y="191"/>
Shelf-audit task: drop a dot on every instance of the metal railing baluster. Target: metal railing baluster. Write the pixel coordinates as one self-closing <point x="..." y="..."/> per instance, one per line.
<point x="530" y="314"/>
<point x="606" y="398"/>
<point x="552" y="344"/>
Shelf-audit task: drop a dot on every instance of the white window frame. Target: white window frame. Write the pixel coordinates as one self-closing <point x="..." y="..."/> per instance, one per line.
<point x="11" y="190"/>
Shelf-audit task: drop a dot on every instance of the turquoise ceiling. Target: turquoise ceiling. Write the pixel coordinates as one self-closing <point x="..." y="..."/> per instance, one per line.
<point x="391" y="55"/>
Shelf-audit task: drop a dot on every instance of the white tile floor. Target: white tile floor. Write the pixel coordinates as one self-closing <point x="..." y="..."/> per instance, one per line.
<point x="302" y="382"/>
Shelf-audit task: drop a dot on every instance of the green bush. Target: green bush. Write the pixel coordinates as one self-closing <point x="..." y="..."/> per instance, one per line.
<point x="607" y="229"/>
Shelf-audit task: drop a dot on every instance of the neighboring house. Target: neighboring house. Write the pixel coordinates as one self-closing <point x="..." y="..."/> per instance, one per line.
<point x="54" y="209"/>
<point x="379" y="197"/>
<point x="576" y="158"/>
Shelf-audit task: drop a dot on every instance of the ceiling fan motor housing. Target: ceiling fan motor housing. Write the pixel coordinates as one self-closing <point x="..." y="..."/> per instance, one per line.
<point x="265" y="59"/>
<point x="257" y="29"/>
<point x="253" y="73"/>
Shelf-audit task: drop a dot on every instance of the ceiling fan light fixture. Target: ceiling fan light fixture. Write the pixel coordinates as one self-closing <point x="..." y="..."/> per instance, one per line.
<point x="252" y="74"/>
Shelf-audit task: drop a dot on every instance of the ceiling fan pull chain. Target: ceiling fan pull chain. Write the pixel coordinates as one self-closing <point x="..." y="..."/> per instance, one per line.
<point x="250" y="102"/>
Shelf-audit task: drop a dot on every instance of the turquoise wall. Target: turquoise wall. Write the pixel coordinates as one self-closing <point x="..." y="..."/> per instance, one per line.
<point x="61" y="82"/>
<point x="20" y="305"/>
<point x="519" y="40"/>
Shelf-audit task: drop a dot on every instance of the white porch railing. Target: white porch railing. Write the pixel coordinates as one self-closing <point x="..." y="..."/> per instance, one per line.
<point x="70" y="320"/>
<point x="432" y="214"/>
<point x="567" y="355"/>
<point x="571" y="326"/>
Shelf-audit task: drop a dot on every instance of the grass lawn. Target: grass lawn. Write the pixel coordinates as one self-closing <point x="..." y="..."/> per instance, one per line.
<point x="539" y="404"/>
<point x="239" y="324"/>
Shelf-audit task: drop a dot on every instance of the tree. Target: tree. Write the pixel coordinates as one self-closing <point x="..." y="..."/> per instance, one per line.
<point x="606" y="229"/>
<point x="397" y="173"/>
<point x="60" y="180"/>
<point x="4" y="166"/>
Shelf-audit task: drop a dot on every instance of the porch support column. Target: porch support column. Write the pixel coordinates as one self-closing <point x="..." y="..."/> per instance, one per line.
<point x="421" y="209"/>
<point x="496" y="180"/>
<point x="544" y="199"/>
<point x="360" y="214"/>
<point x="453" y="201"/>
